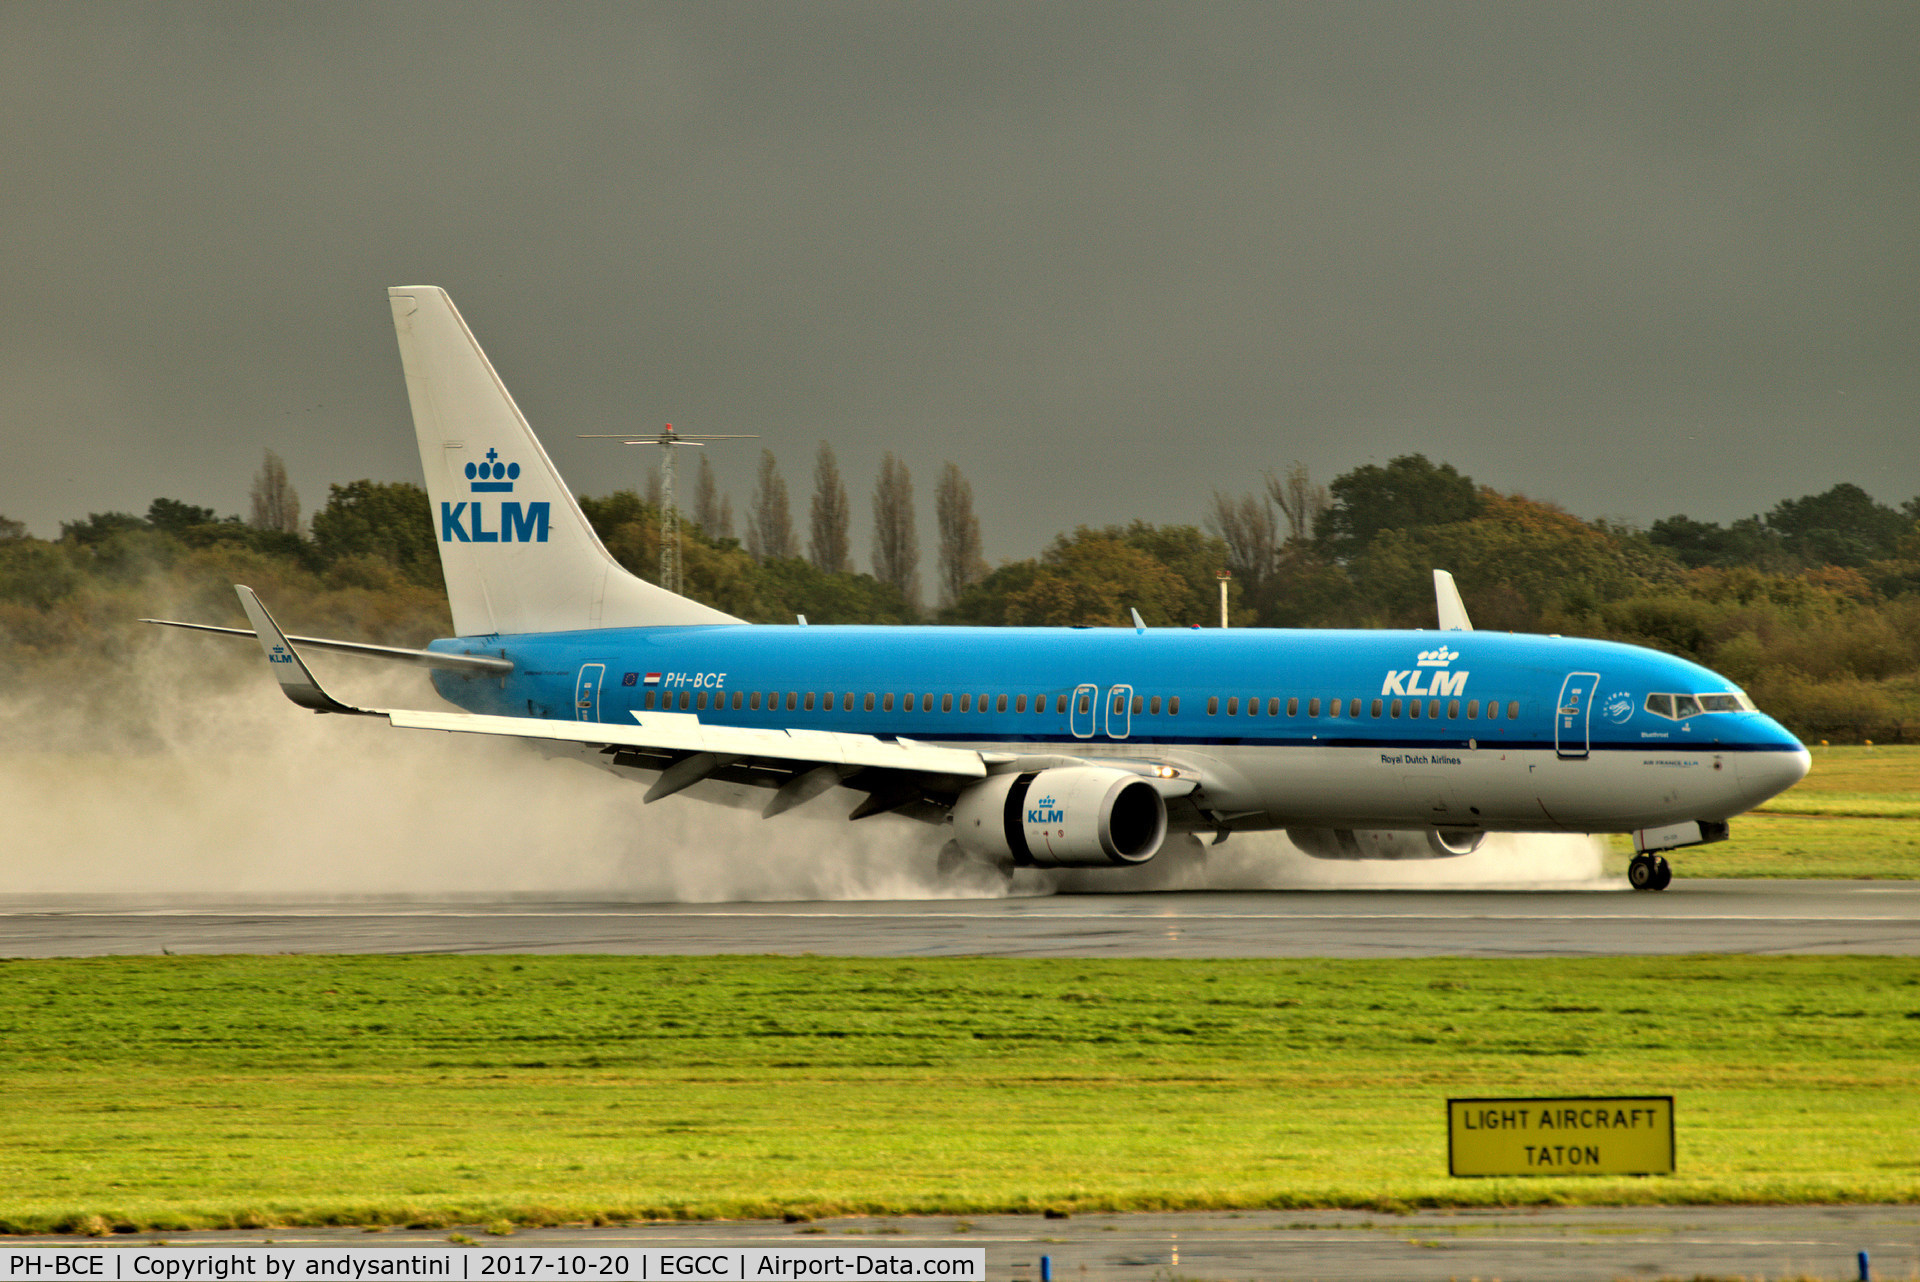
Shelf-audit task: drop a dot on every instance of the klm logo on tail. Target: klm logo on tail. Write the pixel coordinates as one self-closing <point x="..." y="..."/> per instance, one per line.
<point x="516" y="523"/>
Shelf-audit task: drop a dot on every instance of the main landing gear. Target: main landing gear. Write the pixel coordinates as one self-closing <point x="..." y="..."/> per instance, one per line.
<point x="1649" y="872"/>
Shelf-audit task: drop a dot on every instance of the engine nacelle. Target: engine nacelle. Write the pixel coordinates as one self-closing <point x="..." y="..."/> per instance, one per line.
<point x="1385" y="843"/>
<point x="1067" y="817"/>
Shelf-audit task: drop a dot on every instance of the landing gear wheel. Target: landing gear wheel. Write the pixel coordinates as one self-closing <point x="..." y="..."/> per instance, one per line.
<point x="1644" y="872"/>
<point x="1662" y="874"/>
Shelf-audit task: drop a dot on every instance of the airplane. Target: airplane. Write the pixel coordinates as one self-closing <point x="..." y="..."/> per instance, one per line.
<point x="1033" y="747"/>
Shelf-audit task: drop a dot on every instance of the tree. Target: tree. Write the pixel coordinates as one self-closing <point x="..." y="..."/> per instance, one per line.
<point x="1843" y="526"/>
<point x="896" y="542"/>
<point x="769" y="526"/>
<point x="171" y="516"/>
<point x="276" y="504"/>
<point x="1409" y="493"/>
<point x="827" y="520"/>
<point x="711" y="512"/>
<point x="1247" y="526"/>
<point x="961" y="564"/>
<point x="387" y="522"/>
<point x="11" y="529"/>
<point x="1299" y="500"/>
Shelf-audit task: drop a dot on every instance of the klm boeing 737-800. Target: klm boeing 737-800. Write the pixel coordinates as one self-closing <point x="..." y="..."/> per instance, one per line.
<point x="1044" y="747"/>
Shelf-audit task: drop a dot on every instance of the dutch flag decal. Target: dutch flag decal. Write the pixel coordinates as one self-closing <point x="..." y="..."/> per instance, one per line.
<point x="653" y="678"/>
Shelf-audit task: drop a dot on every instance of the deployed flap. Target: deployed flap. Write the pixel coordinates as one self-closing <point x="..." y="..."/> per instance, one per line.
<point x="289" y="669"/>
<point x="518" y="553"/>
<point x="1453" y="611"/>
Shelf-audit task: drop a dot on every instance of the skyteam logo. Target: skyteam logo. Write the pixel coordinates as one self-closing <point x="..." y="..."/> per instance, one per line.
<point x="1046" y="811"/>
<point x="1416" y="684"/>
<point x="515" y="523"/>
<point x="1618" y="707"/>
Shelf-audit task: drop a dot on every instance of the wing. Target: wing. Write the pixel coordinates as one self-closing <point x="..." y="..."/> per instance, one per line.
<point x="898" y="775"/>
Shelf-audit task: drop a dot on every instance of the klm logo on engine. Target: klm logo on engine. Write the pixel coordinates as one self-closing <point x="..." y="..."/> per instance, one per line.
<point x="1432" y="683"/>
<point x="1046" y="811"/>
<point x="515" y="523"/>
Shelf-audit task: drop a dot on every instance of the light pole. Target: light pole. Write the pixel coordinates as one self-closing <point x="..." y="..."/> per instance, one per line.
<point x="672" y="568"/>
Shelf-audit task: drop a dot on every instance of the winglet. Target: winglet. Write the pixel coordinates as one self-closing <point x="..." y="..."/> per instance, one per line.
<point x="1139" y="624"/>
<point x="289" y="669"/>
<point x="1453" y="611"/>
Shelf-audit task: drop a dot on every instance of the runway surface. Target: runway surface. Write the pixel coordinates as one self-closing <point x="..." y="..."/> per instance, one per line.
<point x="1693" y="916"/>
<point x="1561" y="1244"/>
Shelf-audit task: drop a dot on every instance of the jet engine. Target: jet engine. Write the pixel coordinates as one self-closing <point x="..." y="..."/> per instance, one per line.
<point x="1066" y="817"/>
<point x="1383" y="843"/>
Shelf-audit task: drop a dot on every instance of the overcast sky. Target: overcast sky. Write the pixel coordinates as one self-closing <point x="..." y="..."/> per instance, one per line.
<point x="1636" y="259"/>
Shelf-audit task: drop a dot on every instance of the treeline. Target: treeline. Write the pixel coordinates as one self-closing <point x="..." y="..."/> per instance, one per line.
<point x="1813" y="606"/>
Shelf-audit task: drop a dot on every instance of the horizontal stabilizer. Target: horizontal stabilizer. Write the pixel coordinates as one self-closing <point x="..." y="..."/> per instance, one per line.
<point x="471" y="664"/>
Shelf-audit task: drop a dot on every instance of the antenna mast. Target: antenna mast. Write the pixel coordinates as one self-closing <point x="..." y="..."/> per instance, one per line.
<point x="672" y="567"/>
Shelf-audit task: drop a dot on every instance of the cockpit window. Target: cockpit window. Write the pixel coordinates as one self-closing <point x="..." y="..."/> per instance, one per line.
<point x="1678" y="707"/>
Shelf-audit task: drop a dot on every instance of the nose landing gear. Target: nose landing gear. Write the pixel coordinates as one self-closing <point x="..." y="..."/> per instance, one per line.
<point x="1649" y="872"/>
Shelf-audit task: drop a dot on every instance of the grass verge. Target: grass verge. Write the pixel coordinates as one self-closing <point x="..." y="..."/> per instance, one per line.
<point x="171" y="1093"/>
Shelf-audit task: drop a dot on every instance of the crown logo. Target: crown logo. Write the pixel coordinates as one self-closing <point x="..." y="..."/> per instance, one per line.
<point x="1048" y="802"/>
<point x="493" y="476"/>
<point x="1436" y="658"/>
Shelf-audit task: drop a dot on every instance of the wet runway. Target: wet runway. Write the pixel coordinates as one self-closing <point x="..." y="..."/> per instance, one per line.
<point x="1694" y="916"/>
<point x="1561" y="1244"/>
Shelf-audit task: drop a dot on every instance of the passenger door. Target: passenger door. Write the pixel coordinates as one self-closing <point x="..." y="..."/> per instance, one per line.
<point x="1572" y="714"/>
<point x="586" y="691"/>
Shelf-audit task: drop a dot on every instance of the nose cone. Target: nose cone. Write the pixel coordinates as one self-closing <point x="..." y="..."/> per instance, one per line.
<point x="1768" y="774"/>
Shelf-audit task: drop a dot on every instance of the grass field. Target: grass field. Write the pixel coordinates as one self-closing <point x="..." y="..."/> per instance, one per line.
<point x="1856" y="814"/>
<point x="177" y="1092"/>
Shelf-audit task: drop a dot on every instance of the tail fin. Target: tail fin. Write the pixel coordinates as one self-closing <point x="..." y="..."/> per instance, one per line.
<point x="518" y="553"/>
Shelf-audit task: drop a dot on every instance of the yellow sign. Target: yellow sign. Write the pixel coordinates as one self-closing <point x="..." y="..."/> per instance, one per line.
<point x="1624" y="1135"/>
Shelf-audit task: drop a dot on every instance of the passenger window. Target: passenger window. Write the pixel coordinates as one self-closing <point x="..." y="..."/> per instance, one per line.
<point x="1333" y="707"/>
<point x="1684" y="705"/>
<point x="1513" y="709"/>
<point x="1453" y="709"/>
<point x="736" y="701"/>
<point x="1213" y="705"/>
<point x="966" y="703"/>
<point x="1153" y="705"/>
<point x="1293" y="707"/>
<point x="1473" y="709"/>
<point x="1138" y="704"/>
<point x="1000" y="704"/>
<point x="886" y="702"/>
<point x="1233" y="706"/>
<point x="685" y="699"/>
<point x="1173" y="706"/>
<point x="1394" y="711"/>
<point x="926" y="702"/>
<point x="809" y="701"/>
<point x="1493" y="709"/>
<point x="753" y="701"/>
<point x="1019" y="703"/>
<point x="946" y="703"/>
<point x="1273" y="707"/>
<point x="648" y="701"/>
<point x="1413" y="709"/>
<point x="1376" y="709"/>
<point x="1119" y="705"/>
<point x="1085" y="705"/>
<point x="1353" y="707"/>
<point x="1313" y="707"/>
<point x="1253" y="705"/>
<point x="793" y="701"/>
<point x="1040" y="703"/>
<point x="867" y="702"/>
<point x="1433" y="709"/>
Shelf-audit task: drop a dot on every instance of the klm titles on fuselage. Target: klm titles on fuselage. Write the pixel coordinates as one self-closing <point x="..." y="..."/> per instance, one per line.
<point x="1437" y="685"/>
<point x="516" y="522"/>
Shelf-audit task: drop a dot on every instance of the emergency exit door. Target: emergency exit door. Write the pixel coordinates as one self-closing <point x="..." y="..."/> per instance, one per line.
<point x="586" y="691"/>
